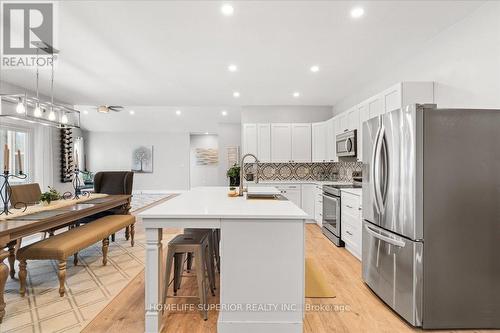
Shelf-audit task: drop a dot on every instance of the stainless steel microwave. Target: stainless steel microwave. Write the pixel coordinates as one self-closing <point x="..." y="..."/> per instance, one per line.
<point x="346" y="143"/>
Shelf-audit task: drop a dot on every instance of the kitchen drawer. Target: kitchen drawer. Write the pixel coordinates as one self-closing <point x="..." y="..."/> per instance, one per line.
<point x="349" y="199"/>
<point x="351" y="235"/>
<point x="350" y="204"/>
<point x="348" y="233"/>
<point x="349" y="210"/>
<point x="351" y="221"/>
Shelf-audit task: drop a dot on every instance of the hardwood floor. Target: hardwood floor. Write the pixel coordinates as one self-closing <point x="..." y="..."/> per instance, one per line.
<point x="354" y="309"/>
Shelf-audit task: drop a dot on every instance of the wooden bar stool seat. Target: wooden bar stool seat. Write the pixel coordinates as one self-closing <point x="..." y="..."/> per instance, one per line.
<point x="178" y="247"/>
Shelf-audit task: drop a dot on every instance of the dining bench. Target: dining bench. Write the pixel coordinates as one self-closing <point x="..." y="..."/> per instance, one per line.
<point x="61" y="246"/>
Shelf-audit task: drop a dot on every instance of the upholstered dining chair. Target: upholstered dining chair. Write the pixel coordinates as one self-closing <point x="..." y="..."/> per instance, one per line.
<point x="115" y="182"/>
<point x="28" y="194"/>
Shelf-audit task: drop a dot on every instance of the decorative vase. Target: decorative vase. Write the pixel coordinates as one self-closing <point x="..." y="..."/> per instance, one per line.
<point x="234" y="181"/>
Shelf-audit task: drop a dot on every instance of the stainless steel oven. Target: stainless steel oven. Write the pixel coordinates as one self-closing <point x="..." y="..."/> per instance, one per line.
<point x="346" y="143"/>
<point x="331" y="214"/>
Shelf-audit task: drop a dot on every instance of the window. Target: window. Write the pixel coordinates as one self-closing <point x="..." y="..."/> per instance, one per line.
<point x="17" y="140"/>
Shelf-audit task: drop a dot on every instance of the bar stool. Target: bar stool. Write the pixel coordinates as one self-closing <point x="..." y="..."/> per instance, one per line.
<point x="177" y="248"/>
<point x="213" y="246"/>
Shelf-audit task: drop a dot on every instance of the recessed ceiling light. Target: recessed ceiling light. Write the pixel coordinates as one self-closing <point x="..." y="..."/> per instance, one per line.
<point x="206" y="133"/>
<point x="178" y="112"/>
<point x="227" y="10"/>
<point x="85" y="112"/>
<point x="236" y="94"/>
<point x="232" y="68"/>
<point x="314" y="68"/>
<point x="357" y="12"/>
<point x="132" y="112"/>
<point x="296" y="94"/>
<point x="224" y="113"/>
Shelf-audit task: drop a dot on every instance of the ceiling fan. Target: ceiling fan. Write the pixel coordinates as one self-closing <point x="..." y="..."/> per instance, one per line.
<point x="107" y="108"/>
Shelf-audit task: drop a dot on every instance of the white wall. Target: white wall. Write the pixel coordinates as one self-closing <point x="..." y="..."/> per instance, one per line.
<point x="108" y="151"/>
<point x="203" y="175"/>
<point x="229" y="136"/>
<point x="171" y="163"/>
<point x="464" y="61"/>
<point x="285" y="114"/>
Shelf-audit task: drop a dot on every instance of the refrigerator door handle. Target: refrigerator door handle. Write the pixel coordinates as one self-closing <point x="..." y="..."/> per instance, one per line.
<point x="384" y="184"/>
<point x="379" y="199"/>
<point x="373" y="171"/>
<point x="387" y="239"/>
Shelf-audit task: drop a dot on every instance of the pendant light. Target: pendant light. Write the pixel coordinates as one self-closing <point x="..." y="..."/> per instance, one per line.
<point x="64" y="119"/>
<point x="20" y="108"/>
<point x="37" y="112"/>
<point x="52" y="114"/>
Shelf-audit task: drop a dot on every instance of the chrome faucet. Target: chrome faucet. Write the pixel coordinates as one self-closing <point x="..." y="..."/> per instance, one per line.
<point x="242" y="171"/>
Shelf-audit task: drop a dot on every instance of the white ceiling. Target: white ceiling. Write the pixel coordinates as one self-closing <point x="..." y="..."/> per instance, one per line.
<point x="176" y="53"/>
<point x="159" y="119"/>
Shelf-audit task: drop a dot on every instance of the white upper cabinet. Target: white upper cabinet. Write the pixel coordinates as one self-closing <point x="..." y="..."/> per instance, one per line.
<point x="363" y="116"/>
<point x="264" y="142"/>
<point x="392" y="98"/>
<point x="281" y="143"/>
<point x="331" y="153"/>
<point x="249" y="136"/>
<point x="375" y="106"/>
<point x="301" y="142"/>
<point x="319" y="142"/>
<point x="405" y="93"/>
<point x="353" y="119"/>
<point x="343" y="123"/>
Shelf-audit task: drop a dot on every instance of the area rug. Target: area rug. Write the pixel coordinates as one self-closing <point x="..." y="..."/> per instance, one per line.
<point x="316" y="284"/>
<point x="89" y="286"/>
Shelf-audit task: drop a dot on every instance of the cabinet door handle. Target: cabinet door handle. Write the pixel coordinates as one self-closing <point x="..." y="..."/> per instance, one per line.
<point x="349" y="206"/>
<point x="360" y="208"/>
<point x="348" y="232"/>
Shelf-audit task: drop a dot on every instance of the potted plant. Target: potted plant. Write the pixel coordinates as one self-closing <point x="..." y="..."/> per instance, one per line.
<point x="51" y="195"/>
<point x="234" y="175"/>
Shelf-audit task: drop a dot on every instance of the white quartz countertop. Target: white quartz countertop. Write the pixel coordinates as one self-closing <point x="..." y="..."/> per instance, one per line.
<point x="213" y="202"/>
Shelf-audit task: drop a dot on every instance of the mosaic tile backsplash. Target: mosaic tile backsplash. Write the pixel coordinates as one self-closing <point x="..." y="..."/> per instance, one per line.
<point x="336" y="171"/>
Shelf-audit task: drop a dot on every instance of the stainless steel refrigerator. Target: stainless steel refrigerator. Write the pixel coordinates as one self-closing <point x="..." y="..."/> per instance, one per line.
<point x="431" y="215"/>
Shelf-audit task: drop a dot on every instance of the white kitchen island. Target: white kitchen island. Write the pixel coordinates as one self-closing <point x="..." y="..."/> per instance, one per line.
<point x="262" y="258"/>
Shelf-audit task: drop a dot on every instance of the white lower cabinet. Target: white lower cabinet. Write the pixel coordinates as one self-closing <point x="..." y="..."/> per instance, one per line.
<point x="292" y="193"/>
<point x="351" y="223"/>
<point x="307" y="196"/>
<point x="308" y="199"/>
<point x="318" y="205"/>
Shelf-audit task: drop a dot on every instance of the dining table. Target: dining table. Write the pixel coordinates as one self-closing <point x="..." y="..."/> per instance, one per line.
<point x="16" y="226"/>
